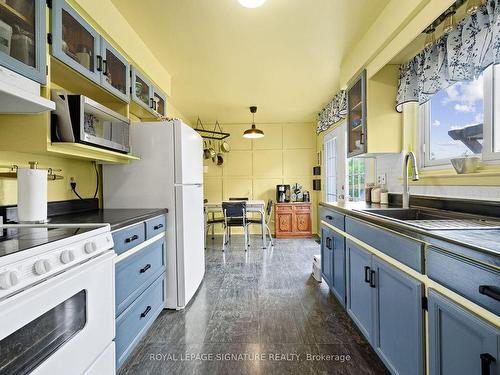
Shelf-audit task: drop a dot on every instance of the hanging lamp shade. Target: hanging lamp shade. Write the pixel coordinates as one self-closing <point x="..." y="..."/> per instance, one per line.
<point x="253" y="132"/>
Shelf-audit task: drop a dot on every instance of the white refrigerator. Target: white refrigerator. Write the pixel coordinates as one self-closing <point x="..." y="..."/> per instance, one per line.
<point x="169" y="175"/>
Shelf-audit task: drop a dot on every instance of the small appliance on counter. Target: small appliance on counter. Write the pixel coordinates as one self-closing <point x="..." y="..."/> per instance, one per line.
<point x="83" y="120"/>
<point x="282" y="193"/>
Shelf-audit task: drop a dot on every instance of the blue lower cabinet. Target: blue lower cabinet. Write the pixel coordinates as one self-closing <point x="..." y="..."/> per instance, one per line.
<point x="338" y="267"/>
<point x="134" y="273"/>
<point x="359" y="292"/>
<point x="133" y="323"/>
<point x="460" y="343"/>
<point x="326" y="255"/>
<point x="155" y="226"/>
<point x="128" y="238"/>
<point x="398" y="327"/>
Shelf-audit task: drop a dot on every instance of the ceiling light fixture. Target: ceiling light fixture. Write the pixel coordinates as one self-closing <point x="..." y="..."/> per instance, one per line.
<point x="251" y="3"/>
<point x="253" y="132"/>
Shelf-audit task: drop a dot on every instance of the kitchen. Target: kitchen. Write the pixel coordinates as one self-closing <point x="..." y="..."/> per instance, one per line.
<point x="254" y="186"/>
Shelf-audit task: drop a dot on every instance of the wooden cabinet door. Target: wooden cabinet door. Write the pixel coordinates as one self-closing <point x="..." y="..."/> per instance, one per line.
<point x="460" y="343"/>
<point x="302" y="223"/>
<point x="284" y="223"/>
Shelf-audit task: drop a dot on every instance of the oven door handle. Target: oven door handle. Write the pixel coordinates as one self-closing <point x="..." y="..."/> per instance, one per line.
<point x="146" y="312"/>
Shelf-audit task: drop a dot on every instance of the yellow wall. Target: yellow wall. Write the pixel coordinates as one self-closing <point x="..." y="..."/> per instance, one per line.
<point x="252" y="169"/>
<point x="83" y="173"/>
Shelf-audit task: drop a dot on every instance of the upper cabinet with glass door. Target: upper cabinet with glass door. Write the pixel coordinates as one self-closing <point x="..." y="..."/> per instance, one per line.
<point x="147" y="100"/>
<point x="81" y="47"/>
<point x="22" y="38"/>
<point x="373" y="124"/>
<point x="115" y="71"/>
<point x="356" y="116"/>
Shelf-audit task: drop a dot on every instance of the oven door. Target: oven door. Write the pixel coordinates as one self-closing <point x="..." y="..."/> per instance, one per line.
<point x="62" y="325"/>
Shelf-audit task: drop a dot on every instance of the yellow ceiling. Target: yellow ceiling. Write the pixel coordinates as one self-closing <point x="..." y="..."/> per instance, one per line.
<point x="283" y="57"/>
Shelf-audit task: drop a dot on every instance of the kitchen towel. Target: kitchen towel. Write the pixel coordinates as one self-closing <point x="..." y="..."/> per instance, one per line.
<point x="31" y="195"/>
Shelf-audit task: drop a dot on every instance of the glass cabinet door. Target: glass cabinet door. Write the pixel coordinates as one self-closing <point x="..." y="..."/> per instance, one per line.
<point x="115" y="71"/>
<point x="159" y="103"/>
<point x="356" y="116"/>
<point x="141" y="91"/>
<point x="74" y="42"/>
<point x="22" y="33"/>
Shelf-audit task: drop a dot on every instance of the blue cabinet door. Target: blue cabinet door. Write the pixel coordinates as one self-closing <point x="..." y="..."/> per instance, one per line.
<point x="115" y="75"/>
<point x="141" y="90"/>
<point x="398" y="329"/>
<point x="22" y="38"/>
<point x="460" y="343"/>
<point x="359" y="292"/>
<point x="75" y="42"/>
<point x="326" y="255"/>
<point x="338" y="267"/>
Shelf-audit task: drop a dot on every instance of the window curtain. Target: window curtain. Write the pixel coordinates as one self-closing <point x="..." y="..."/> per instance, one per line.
<point x="460" y="55"/>
<point x="334" y="111"/>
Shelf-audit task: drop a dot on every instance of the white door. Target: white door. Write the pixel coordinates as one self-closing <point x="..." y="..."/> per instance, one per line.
<point x="188" y="155"/>
<point x="190" y="241"/>
<point x="334" y="151"/>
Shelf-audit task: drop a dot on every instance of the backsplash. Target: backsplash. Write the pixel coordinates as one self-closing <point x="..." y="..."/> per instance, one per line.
<point x="391" y="165"/>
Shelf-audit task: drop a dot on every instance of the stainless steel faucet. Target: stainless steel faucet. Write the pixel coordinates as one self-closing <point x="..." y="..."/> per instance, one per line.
<point x="414" y="177"/>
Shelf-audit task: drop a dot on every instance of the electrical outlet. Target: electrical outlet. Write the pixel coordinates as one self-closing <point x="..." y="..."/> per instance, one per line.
<point x="381" y="179"/>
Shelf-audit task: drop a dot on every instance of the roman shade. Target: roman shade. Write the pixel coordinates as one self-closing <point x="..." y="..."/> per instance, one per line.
<point x="460" y="55"/>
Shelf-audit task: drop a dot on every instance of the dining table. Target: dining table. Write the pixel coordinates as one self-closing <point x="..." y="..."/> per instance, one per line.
<point x="252" y="206"/>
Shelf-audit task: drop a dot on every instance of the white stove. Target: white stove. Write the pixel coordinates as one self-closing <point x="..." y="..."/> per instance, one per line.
<point x="56" y="299"/>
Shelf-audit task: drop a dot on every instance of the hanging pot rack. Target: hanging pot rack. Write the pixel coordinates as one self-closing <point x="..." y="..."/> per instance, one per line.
<point x="215" y="134"/>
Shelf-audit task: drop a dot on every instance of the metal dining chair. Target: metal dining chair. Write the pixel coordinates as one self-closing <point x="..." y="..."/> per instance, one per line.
<point x="234" y="216"/>
<point x="267" y="220"/>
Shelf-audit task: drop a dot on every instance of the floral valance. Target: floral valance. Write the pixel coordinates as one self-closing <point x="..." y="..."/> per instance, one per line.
<point x="333" y="112"/>
<point x="460" y="55"/>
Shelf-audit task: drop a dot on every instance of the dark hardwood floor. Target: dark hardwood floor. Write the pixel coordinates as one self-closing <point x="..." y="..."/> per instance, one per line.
<point x="257" y="312"/>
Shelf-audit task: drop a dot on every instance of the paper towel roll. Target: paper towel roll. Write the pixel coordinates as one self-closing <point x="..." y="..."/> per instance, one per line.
<point x="31" y="195"/>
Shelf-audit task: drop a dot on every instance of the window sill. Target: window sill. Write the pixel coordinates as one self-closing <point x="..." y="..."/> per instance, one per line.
<point x="486" y="175"/>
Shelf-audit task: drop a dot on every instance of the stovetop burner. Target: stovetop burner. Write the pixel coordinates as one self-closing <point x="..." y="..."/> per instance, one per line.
<point x="15" y="238"/>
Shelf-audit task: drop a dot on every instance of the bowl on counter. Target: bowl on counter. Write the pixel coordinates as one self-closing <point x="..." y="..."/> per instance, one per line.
<point x="465" y="164"/>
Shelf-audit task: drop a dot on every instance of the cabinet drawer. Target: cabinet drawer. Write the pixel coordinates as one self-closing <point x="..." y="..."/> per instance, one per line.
<point x="465" y="278"/>
<point x="331" y="217"/>
<point x="128" y="238"/>
<point x="155" y="226"/>
<point x="403" y="249"/>
<point x="135" y="273"/>
<point x="283" y="208"/>
<point x="134" y="322"/>
<point x="302" y="208"/>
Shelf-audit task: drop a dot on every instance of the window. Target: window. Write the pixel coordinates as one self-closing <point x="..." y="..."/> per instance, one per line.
<point x="459" y="120"/>
<point x="356" y="179"/>
<point x="331" y="169"/>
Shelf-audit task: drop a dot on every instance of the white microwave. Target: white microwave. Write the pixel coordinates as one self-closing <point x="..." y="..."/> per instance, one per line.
<point x="78" y="118"/>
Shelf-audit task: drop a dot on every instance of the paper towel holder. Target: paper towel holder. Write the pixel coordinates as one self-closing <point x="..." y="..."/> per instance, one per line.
<point x="51" y="175"/>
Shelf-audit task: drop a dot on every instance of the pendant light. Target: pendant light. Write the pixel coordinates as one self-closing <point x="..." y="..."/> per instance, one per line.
<point x="473" y="6"/>
<point x="253" y="132"/>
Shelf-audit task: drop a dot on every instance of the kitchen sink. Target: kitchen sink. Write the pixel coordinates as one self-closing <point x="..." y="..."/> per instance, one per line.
<point x="412" y="213"/>
<point x="432" y="219"/>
